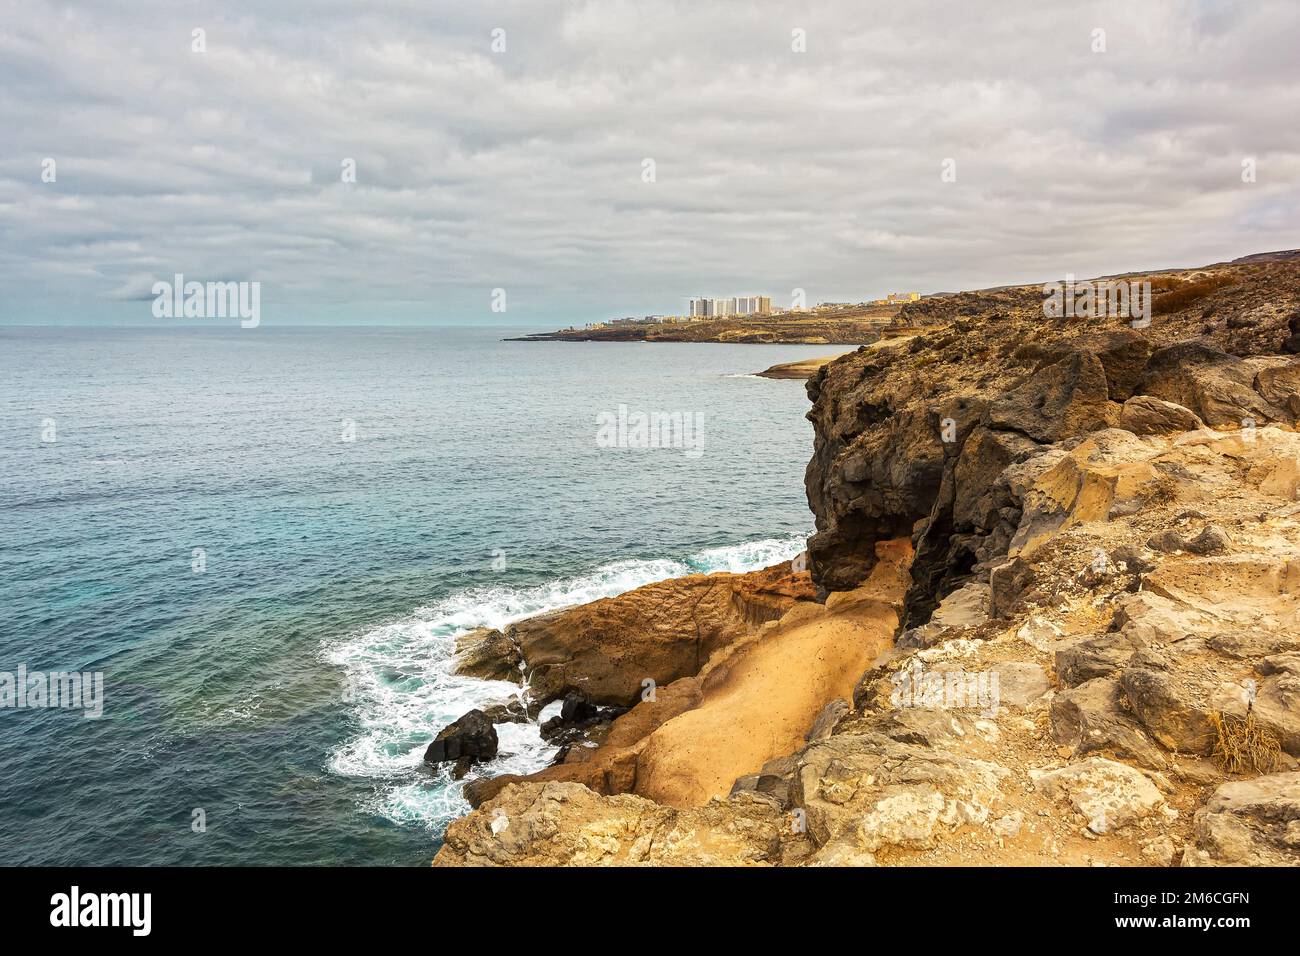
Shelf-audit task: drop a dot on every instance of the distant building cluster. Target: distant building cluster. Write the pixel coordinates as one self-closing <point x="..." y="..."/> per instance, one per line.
<point x="897" y="298"/>
<point x="702" y="308"/>
<point x="636" y="320"/>
<point x="706" y="308"/>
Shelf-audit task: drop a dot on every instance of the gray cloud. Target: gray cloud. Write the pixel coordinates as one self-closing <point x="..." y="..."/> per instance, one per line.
<point x="522" y="169"/>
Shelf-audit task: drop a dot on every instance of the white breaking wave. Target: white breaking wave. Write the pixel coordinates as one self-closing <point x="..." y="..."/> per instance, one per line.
<point x="401" y="685"/>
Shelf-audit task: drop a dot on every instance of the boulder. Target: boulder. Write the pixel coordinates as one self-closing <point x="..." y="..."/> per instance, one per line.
<point x="1009" y="582"/>
<point x="1020" y="683"/>
<point x="579" y="720"/>
<point x="1216" y="386"/>
<point x="471" y="736"/>
<point x="1280" y="385"/>
<point x="511" y="712"/>
<point x="770" y="784"/>
<point x="1273" y="698"/>
<point x="1146" y="415"/>
<point x="861" y="793"/>
<point x="1090" y="719"/>
<point x="984" y="457"/>
<point x="968" y="606"/>
<point x="1211" y="540"/>
<point x="577" y="707"/>
<point x="1058" y="401"/>
<point x="1248" y="823"/>
<point x="1093" y="657"/>
<point x="1123" y="354"/>
<point x="1168" y="710"/>
<point x="1167" y="542"/>
<point x="1131" y="560"/>
<point x="1291" y="343"/>
<point x="1108" y="794"/>
<point x="825" y="723"/>
<point x="488" y="654"/>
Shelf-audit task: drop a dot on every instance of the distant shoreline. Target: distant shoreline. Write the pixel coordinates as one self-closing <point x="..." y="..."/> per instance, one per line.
<point x="853" y="326"/>
<point x="802" y="369"/>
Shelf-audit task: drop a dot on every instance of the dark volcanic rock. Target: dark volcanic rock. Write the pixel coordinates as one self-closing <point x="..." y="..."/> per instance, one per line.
<point x="471" y="736"/>
<point x="1058" y="401"/>
<point x="578" y="721"/>
<point x="577" y="707"/>
<point x="1009" y="583"/>
<point x="916" y="437"/>
<point x="1291" y="343"/>
<point x="512" y="712"/>
<point x="1123" y="354"/>
<point x="1215" y="385"/>
<point x="878" y="459"/>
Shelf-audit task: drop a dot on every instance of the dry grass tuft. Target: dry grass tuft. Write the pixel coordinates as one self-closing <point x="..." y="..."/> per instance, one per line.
<point x="1242" y="744"/>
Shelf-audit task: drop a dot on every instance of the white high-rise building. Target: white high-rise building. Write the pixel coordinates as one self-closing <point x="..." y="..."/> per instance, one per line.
<point x="707" y="307"/>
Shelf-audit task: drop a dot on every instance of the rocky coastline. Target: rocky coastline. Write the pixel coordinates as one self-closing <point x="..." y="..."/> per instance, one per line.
<point x="1050" y="616"/>
<point x="852" y="326"/>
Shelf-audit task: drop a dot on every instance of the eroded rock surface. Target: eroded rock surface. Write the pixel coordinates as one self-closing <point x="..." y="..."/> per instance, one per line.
<point x="661" y="632"/>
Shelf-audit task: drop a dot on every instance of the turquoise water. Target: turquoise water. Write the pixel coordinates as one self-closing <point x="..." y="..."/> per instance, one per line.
<point x="287" y="687"/>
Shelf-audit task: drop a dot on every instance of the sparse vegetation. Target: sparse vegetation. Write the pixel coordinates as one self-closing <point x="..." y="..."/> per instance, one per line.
<point x="1177" y="294"/>
<point x="1241" y="744"/>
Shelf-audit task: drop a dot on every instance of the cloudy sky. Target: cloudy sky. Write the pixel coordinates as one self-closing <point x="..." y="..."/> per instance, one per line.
<point x="778" y="162"/>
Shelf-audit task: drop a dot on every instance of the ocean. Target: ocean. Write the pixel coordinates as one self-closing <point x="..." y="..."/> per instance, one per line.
<point x="266" y="540"/>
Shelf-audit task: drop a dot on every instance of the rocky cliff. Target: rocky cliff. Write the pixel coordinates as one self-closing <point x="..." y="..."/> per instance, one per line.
<point x="913" y="438"/>
<point x="1063" y="561"/>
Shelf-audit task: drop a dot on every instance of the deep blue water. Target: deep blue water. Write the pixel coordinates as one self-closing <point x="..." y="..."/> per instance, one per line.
<point x="289" y="687"/>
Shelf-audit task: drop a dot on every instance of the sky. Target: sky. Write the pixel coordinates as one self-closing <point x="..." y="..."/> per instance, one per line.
<point x="612" y="158"/>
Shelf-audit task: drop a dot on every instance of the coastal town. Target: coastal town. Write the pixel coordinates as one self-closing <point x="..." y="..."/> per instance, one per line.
<point x="748" y="319"/>
<point x="706" y="308"/>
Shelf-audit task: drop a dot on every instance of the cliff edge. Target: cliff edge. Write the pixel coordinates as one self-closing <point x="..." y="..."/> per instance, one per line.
<point x="1062" y="558"/>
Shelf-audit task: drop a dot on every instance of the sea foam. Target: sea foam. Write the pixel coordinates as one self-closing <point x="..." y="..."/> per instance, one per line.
<point x="403" y="690"/>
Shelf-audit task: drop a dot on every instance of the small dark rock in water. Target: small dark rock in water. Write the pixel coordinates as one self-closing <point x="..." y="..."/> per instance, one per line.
<point x="472" y="736"/>
<point x="577" y="707"/>
<point x="559" y="733"/>
<point x="513" y="712"/>
<point x="578" y="722"/>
